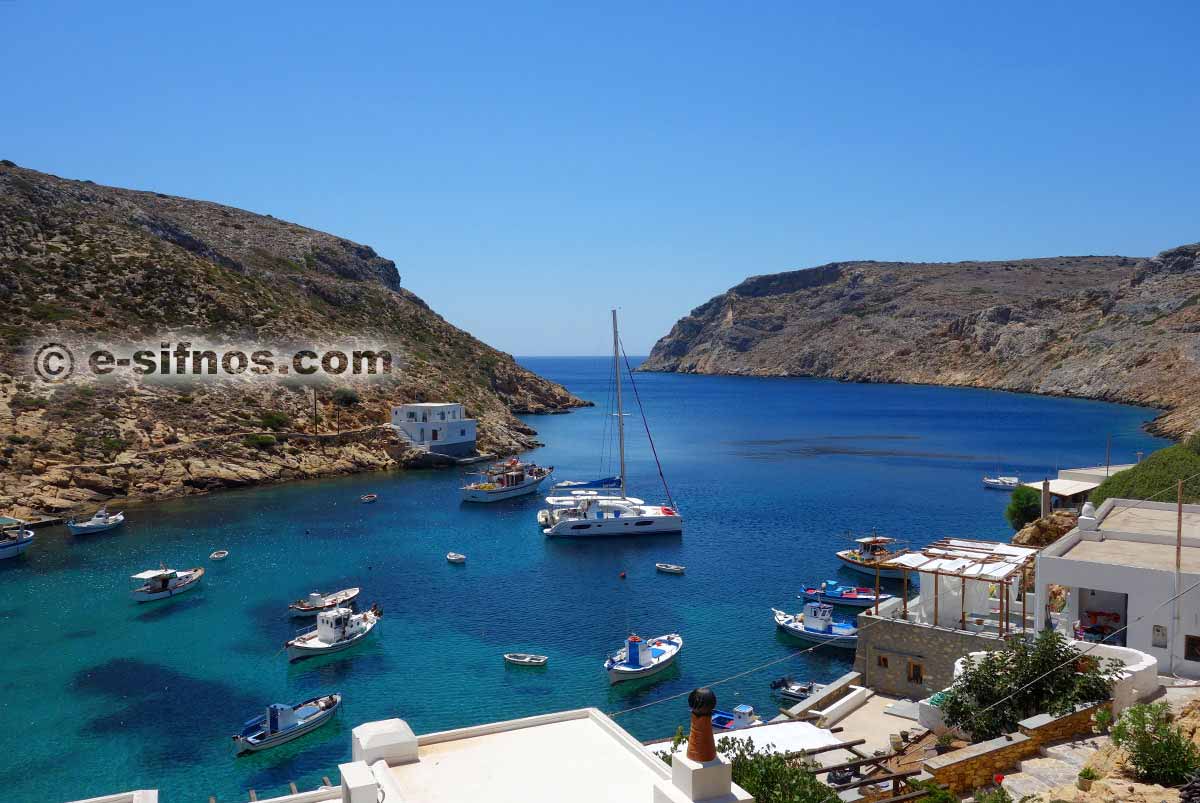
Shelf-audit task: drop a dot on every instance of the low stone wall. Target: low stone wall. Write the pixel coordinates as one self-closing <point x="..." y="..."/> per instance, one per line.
<point x="1046" y="729"/>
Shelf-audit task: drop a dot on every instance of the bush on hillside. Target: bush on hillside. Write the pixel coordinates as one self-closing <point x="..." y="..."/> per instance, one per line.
<point x="1155" y="477"/>
<point x="275" y="420"/>
<point x="1024" y="507"/>
<point x="1157" y="749"/>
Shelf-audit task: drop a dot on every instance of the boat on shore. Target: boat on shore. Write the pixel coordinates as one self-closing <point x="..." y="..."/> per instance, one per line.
<point x="283" y="723"/>
<point x="525" y="659"/>
<point x="15" y="538"/>
<point x="101" y="521"/>
<point x="639" y="659"/>
<point x="163" y="582"/>
<point x="853" y="596"/>
<point x="670" y="568"/>
<point x="816" y="625"/>
<point x="336" y="630"/>
<point x="505" y="480"/>
<point x="317" y="602"/>
<point x="871" y="551"/>
<point x="1001" y="483"/>
<point x="791" y="689"/>
<point x="742" y="716"/>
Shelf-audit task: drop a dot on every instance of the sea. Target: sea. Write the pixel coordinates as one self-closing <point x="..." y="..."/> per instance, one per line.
<point x="99" y="694"/>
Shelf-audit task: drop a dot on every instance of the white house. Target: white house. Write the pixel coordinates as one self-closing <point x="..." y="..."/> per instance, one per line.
<point x="441" y="427"/>
<point x="1119" y="568"/>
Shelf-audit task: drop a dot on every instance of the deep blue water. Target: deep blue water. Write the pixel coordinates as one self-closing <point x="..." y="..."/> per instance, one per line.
<point x="99" y="694"/>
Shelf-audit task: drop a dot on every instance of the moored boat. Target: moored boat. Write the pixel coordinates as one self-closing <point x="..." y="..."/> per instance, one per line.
<point x="853" y="596"/>
<point x="317" y="602"/>
<point x="100" y="522"/>
<point x="15" y="538"/>
<point x="742" y="716"/>
<point x="670" y="568"/>
<point x="871" y="551"/>
<point x="602" y="484"/>
<point x="1001" y="483"/>
<point x="336" y="630"/>
<point x="817" y="626"/>
<point x="792" y="689"/>
<point x="162" y="583"/>
<point x="367" y="499"/>
<point x="283" y="723"/>
<point x="456" y="558"/>
<point x="220" y="554"/>
<point x="525" y="659"/>
<point x="639" y="659"/>
<point x="505" y="481"/>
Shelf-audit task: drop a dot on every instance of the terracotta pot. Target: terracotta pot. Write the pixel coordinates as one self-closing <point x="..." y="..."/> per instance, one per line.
<point x="1084" y="784"/>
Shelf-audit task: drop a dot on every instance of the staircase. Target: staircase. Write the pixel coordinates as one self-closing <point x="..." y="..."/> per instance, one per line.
<point x="1056" y="765"/>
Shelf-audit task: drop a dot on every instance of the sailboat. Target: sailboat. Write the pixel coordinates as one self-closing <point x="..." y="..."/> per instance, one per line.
<point x="588" y="514"/>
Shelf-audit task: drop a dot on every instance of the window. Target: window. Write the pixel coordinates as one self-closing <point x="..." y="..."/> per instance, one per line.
<point x="1191" y="648"/>
<point x="412" y="416"/>
<point x="916" y="673"/>
<point x="462" y="433"/>
<point x="881" y="661"/>
<point x="433" y="435"/>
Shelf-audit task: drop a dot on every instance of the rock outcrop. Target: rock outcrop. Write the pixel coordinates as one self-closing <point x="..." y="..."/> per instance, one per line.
<point x="82" y="263"/>
<point x="1112" y="328"/>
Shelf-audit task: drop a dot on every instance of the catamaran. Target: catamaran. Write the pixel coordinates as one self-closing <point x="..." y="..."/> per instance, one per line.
<point x="588" y="512"/>
<point x="505" y="480"/>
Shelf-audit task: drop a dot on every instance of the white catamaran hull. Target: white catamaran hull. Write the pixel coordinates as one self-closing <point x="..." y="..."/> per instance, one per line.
<point x="649" y="524"/>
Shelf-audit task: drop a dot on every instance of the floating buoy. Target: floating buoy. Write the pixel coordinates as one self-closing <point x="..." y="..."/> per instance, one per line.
<point x="622" y="575"/>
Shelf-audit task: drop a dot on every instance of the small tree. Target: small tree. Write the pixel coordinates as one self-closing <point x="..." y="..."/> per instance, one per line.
<point x="344" y="398"/>
<point x="275" y="420"/>
<point x="1046" y="675"/>
<point x="768" y="775"/>
<point x="1158" y="750"/>
<point x="1024" y="506"/>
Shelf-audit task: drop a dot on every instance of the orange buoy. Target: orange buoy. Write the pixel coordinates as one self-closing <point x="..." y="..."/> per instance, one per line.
<point x="622" y="575"/>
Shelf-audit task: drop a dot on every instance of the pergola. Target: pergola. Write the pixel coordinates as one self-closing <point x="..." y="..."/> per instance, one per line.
<point x="983" y="562"/>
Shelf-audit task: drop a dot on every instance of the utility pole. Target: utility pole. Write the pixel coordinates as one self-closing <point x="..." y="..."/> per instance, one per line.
<point x="1173" y="636"/>
<point x="1108" y="454"/>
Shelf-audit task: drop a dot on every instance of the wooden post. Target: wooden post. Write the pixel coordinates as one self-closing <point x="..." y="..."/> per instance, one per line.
<point x="1024" y="594"/>
<point x="876" y="588"/>
<point x="936" y="596"/>
<point x="1000" y="624"/>
<point x="292" y="786"/>
<point x="962" y="598"/>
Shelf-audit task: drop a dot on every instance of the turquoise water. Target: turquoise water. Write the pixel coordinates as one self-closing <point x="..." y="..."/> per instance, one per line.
<point x="769" y="473"/>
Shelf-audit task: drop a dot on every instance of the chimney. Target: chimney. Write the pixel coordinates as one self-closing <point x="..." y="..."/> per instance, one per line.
<point x="702" y="774"/>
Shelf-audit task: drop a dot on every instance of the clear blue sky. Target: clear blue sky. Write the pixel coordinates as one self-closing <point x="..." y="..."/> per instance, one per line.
<point x="530" y="166"/>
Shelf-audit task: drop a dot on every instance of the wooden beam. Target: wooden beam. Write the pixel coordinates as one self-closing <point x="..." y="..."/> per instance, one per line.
<point x="852" y="764"/>
<point x="807" y="716"/>
<point x="880" y="779"/>
<point x="936" y="594"/>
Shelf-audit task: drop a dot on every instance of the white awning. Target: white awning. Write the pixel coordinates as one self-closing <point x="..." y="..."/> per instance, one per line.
<point x="1065" y="487"/>
<point x="150" y="574"/>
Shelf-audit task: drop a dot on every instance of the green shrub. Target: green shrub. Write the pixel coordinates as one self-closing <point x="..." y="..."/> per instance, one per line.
<point x="1193" y="442"/>
<point x="1155" y="477"/>
<point x="1158" y="751"/>
<point x="275" y="420"/>
<point x="767" y="775"/>
<point x="1088" y="774"/>
<point x="1022" y="679"/>
<point x="346" y="397"/>
<point x="935" y="793"/>
<point x="1024" y="506"/>
<point x="260" y="441"/>
<point x="995" y="795"/>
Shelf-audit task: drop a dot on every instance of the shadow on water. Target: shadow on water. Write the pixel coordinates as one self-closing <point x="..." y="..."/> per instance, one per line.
<point x="161" y="609"/>
<point x="329" y="670"/>
<point x="165" y="705"/>
<point x="314" y="753"/>
<point x="74" y="634"/>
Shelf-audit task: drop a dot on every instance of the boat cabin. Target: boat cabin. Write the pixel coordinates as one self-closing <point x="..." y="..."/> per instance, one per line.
<point x="818" y="617"/>
<point x="338" y="624"/>
<point x="637" y="652"/>
<point x="440" y="427"/>
<point x="155" y="579"/>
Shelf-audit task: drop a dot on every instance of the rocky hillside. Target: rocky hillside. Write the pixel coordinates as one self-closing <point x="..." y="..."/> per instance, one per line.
<point x="1112" y="328"/>
<point x="82" y="263"/>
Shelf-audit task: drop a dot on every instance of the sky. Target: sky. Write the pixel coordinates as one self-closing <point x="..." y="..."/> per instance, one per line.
<point x="530" y="166"/>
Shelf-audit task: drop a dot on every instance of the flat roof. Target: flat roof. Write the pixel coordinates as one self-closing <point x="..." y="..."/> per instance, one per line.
<point x="583" y="758"/>
<point x="427" y="404"/>
<point x="1135" y="518"/>
<point x="1065" y="487"/>
<point x="1126" y="553"/>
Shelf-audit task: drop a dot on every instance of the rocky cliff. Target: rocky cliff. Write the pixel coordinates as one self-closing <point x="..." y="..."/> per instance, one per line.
<point x="1112" y="328"/>
<point x="84" y="263"/>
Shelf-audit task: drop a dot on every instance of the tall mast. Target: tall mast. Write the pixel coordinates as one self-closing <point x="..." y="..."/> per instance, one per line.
<point x="620" y="413"/>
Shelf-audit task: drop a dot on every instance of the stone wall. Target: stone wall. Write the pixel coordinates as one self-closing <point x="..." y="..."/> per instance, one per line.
<point x="1046" y="729"/>
<point x="901" y="644"/>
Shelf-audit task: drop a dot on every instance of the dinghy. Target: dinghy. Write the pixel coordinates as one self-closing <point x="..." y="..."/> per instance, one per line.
<point x="98" y="523"/>
<point x="162" y="583"/>
<point x="525" y="659"/>
<point x="454" y="557"/>
<point x="639" y="659"/>
<point x="317" y="602"/>
<point x="15" y="539"/>
<point x="220" y="554"/>
<point x="367" y="499"/>
<point x="792" y="689"/>
<point x="335" y="630"/>
<point x="282" y="723"/>
<point x="834" y="594"/>
<point x="669" y="568"/>
<point x="816" y="626"/>
<point x="742" y="716"/>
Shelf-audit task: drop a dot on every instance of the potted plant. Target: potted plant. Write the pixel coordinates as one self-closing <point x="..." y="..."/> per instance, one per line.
<point x="1086" y="776"/>
<point x="944" y="742"/>
<point x="1102" y="720"/>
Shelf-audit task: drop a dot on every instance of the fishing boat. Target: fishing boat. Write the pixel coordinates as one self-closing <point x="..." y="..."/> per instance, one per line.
<point x="870" y="551"/>
<point x="525" y="659"/>
<point x="853" y="596"/>
<point x="742" y="716"/>
<point x="613" y="514"/>
<point x="1001" y="483"/>
<point x="220" y="554"/>
<point x="639" y="659"/>
<point x="367" y="499"/>
<point x="456" y="558"/>
<point x="792" y="689"/>
<point x="817" y="626"/>
<point x="317" y="602"/>
<point x="282" y="723"/>
<point x="100" y="522"/>
<point x="505" y="481"/>
<point x="336" y="630"/>
<point x="15" y="538"/>
<point x="670" y="568"/>
<point x="163" y="582"/>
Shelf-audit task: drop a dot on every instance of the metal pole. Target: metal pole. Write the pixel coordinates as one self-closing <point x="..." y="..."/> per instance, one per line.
<point x="876" y="588"/>
<point x="1178" y="569"/>
<point x="936" y="596"/>
<point x="1108" y="454"/>
<point x="620" y="414"/>
<point x="1024" y="593"/>
<point x="962" y="597"/>
<point x="905" y="592"/>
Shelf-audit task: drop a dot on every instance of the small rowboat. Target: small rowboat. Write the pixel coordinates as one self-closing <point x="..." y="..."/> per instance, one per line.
<point x="456" y="558"/>
<point x="669" y="568"/>
<point x="525" y="659"/>
<point x="220" y="554"/>
<point x="282" y="723"/>
<point x="367" y="499"/>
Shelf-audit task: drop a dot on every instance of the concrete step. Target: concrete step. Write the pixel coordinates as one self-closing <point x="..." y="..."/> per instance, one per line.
<point x="1076" y="753"/>
<point x="1041" y="774"/>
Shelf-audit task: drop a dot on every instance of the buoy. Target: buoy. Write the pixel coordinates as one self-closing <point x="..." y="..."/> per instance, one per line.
<point x="622" y="575"/>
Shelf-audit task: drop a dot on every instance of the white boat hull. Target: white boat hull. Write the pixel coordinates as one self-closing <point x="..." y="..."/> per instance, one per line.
<point x="149" y="596"/>
<point x="497" y="494"/>
<point x="869" y="570"/>
<point x="649" y="524"/>
<point x="274" y="740"/>
<point x="12" y="548"/>
<point x="91" y="526"/>
<point x="340" y="598"/>
<point x="296" y="652"/>
<point x="618" y="672"/>
<point x="795" y="629"/>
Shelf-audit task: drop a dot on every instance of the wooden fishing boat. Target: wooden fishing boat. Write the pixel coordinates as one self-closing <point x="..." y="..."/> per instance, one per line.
<point x="853" y="596"/>
<point x="283" y="723"/>
<point x="162" y="583"/>
<point x="669" y="568"/>
<point x="871" y="551"/>
<point x="816" y="626"/>
<point x="100" y="522"/>
<point x="505" y="481"/>
<point x="317" y="602"/>
<point x="335" y="631"/>
<point x="15" y="538"/>
<point x="525" y="659"/>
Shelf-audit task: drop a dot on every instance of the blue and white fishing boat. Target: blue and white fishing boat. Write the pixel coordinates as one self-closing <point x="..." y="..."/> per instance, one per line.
<point x="505" y="481"/>
<point x="742" y="716"/>
<point x="15" y="538"/>
<point x="853" y="596"/>
<point x="98" y="523"/>
<point x="282" y="723"/>
<point x="817" y="626"/>
<point x="336" y="630"/>
<point x="639" y="658"/>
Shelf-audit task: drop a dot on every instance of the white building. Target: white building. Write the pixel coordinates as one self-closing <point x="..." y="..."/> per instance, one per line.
<point x="1119" y="569"/>
<point x="441" y="427"/>
<point x="580" y="756"/>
